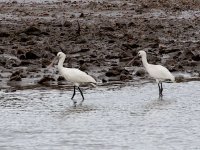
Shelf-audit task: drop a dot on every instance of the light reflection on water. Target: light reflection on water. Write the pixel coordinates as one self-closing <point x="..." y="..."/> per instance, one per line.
<point x="120" y="118"/>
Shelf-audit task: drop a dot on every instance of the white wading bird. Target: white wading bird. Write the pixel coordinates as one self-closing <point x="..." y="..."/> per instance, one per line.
<point x="158" y="72"/>
<point x="73" y="75"/>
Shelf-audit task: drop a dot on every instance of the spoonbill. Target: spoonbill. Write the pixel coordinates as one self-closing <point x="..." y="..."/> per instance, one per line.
<point x="158" y="72"/>
<point x="73" y="75"/>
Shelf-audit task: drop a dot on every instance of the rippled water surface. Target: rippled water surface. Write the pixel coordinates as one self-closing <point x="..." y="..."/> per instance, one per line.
<point x="130" y="117"/>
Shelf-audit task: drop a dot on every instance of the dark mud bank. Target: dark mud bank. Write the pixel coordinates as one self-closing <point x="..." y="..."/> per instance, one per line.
<point x="99" y="38"/>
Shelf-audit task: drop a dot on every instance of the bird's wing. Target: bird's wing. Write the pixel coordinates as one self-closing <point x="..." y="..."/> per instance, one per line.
<point x="160" y="72"/>
<point x="76" y="75"/>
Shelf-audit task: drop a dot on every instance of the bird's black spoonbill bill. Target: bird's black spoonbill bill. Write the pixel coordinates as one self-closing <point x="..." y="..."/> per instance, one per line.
<point x="73" y="75"/>
<point x="158" y="72"/>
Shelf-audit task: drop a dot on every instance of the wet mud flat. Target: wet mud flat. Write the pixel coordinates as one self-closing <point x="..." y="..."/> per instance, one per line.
<point x="99" y="37"/>
<point x="127" y="117"/>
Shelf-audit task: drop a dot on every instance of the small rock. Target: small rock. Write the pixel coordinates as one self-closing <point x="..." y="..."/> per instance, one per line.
<point x="108" y="28"/>
<point x="31" y="42"/>
<point x="81" y="41"/>
<point x="140" y="73"/>
<point x="16" y="76"/>
<point x="196" y="57"/>
<point x="112" y="56"/>
<point x="33" y="31"/>
<point x="4" y="34"/>
<point x="84" y="50"/>
<point x="24" y="37"/>
<point x="131" y="24"/>
<point x="124" y="77"/>
<point x="82" y="15"/>
<point x="61" y="78"/>
<point x="118" y="71"/>
<point x="31" y="55"/>
<point x="111" y="41"/>
<point x="83" y="65"/>
<point x="10" y="90"/>
<point x="67" y="24"/>
<point x="65" y="1"/>
<point x="104" y="80"/>
<point x="25" y="62"/>
<point x="130" y="45"/>
<point x="45" y="79"/>
<point x="45" y="62"/>
<point x="179" y="78"/>
<point x="113" y="72"/>
<point x="19" y="52"/>
<point x="9" y="61"/>
<point x="80" y="51"/>
<point x="169" y="50"/>
<point x="121" y="25"/>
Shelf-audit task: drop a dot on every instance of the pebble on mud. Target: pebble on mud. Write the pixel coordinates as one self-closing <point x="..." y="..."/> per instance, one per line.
<point x="140" y="73"/>
<point x="179" y="79"/>
<point x="32" y="31"/>
<point x="61" y="78"/>
<point x="31" y="55"/>
<point x="67" y="24"/>
<point x="124" y="77"/>
<point x="16" y="76"/>
<point x="45" y="79"/>
<point x="119" y="72"/>
<point x="114" y="71"/>
<point x="4" y="34"/>
<point x="9" y="61"/>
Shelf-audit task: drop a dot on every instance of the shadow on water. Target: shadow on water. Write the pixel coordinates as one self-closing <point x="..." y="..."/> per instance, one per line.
<point x="157" y="104"/>
<point x="78" y="109"/>
<point x="152" y="105"/>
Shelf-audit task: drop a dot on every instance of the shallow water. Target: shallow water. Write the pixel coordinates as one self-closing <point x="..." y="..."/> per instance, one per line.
<point x="131" y="117"/>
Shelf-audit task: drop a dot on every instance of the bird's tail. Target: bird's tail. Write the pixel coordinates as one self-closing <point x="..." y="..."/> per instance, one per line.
<point x="173" y="79"/>
<point x="93" y="84"/>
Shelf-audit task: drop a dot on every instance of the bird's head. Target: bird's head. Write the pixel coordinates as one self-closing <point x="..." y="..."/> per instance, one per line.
<point x="142" y="53"/>
<point x="60" y="55"/>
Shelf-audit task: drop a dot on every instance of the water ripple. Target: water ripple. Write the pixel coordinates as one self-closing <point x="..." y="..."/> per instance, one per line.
<point x="116" y="118"/>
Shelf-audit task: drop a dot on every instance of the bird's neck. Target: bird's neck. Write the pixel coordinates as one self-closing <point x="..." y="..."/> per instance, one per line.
<point x="60" y="62"/>
<point x="144" y="61"/>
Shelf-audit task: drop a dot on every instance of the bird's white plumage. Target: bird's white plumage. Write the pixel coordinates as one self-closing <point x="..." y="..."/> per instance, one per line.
<point x="76" y="76"/>
<point x="157" y="72"/>
<point x="72" y="74"/>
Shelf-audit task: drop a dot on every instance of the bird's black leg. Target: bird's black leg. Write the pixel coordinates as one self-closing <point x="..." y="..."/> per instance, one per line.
<point x="74" y="92"/>
<point x="81" y="95"/>
<point x="161" y="89"/>
<point x="73" y="96"/>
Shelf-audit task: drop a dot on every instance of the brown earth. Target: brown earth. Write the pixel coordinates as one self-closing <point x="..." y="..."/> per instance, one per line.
<point x="98" y="37"/>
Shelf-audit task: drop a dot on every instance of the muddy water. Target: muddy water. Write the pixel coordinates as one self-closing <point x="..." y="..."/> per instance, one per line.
<point x="130" y="117"/>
